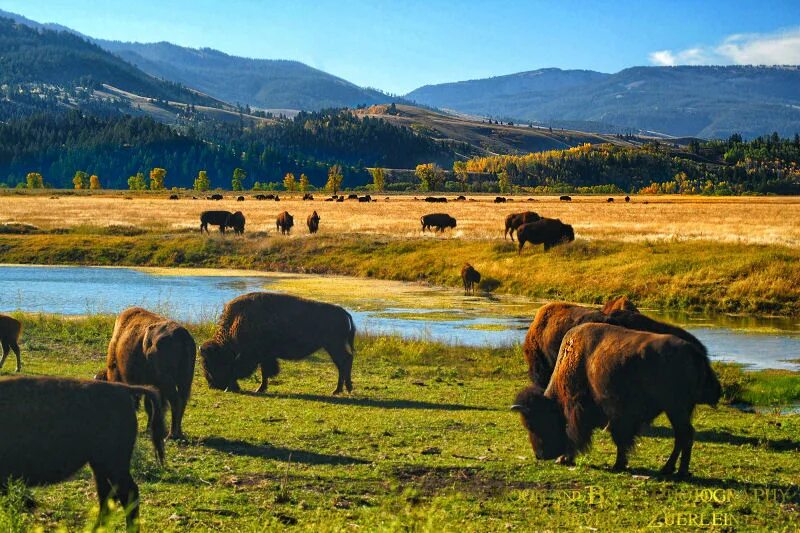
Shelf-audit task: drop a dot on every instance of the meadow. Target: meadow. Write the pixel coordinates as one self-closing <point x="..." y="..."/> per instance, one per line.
<point x="424" y="443"/>
<point x="716" y="255"/>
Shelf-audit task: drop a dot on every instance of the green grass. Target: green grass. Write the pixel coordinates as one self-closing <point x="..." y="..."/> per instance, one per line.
<point x="695" y="276"/>
<point x="425" y="443"/>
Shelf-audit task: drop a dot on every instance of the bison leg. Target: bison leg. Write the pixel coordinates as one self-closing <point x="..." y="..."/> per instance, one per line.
<point x="15" y="347"/>
<point x="264" y="379"/>
<point x="103" y="486"/>
<point x="128" y="497"/>
<point x="177" y="407"/>
<point x="5" y="352"/>
<point x="623" y="434"/>
<point x="343" y="360"/>
<point x="684" y="438"/>
<point x="521" y="243"/>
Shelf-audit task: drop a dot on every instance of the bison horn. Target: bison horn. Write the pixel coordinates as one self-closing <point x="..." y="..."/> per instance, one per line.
<point x="520" y="408"/>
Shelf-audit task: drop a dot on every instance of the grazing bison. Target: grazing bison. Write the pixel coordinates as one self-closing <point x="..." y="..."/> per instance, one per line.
<point x="440" y="221"/>
<point x="52" y="427"/>
<point x="329" y="200"/>
<point x="500" y="200"/>
<point x="627" y="199"/>
<point x="173" y="196"/>
<point x="10" y="330"/>
<point x="214" y="218"/>
<point x="240" y="198"/>
<point x="284" y="223"/>
<point x="340" y="199"/>
<point x="308" y="196"/>
<point x="565" y="198"/>
<point x="148" y="349"/>
<point x="352" y="197"/>
<point x="436" y="199"/>
<point x="461" y="198"/>
<point x="470" y="277"/>
<point x="215" y="197"/>
<point x="364" y="199"/>
<point x="554" y="320"/>
<point x="515" y="220"/>
<point x="547" y="231"/>
<point x="313" y="222"/>
<point x="237" y="222"/>
<point x="610" y="200"/>
<point x="258" y="329"/>
<point x="260" y="197"/>
<point x="611" y="375"/>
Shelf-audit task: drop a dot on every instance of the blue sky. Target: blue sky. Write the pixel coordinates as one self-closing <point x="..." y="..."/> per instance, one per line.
<point x="399" y="45"/>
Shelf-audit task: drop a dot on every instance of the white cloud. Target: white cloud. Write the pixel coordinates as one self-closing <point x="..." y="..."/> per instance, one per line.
<point x="780" y="48"/>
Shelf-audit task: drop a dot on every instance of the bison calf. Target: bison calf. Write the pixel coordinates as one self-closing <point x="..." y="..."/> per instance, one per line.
<point x="313" y="222"/>
<point x="54" y="426"/>
<point x="147" y="349"/>
<point x="470" y="277"/>
<point x="547" y="231"/>
<point x="284" y="223"/>
<point x="258" y="329"/>
<point x="440" y="221"/>
<point x="10" y="330"/>
<point x="611" y="375"/>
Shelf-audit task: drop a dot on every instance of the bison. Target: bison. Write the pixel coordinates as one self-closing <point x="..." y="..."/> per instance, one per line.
<point x="547" y="231"/>
<point x="364" y="199"/>
<point x="173" y="196"/>
<point x="260" y="197"/>
<point x="52" y="427"/>
<point x="148" y="349"/>
<point x="240" y="198"/>
<point x="214" y="218"/>
<point x="461" y="198"/>
<point x="313" y="222"/>
<point x="10" y="330"/>
<point x="352" y="197"/>
<point x="470" y="277"/>
<point x="610" y="200"/>
<point x="440" y="221"/>
<point x="627" y="199"/>
<point x="436" y="199"/>
<point x="565" y="198"/>
<point x="237" y="222"/>
<point x="554" y="320"/>
<point x="308" y="196"/>
<point x="515" y="220"/>
<point x="340" y="199"/>
<point x="284" y="223"/>
<point x="215" y="197"/>
<point x="500" y="200"/>
<point x="258" y="329"/>
<point x="611" y="375"/>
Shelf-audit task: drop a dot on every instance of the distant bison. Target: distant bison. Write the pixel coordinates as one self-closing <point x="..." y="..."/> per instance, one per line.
<point x="215" y="197"/>
<point x="436" y="199"/>
<point x="237" y="222"/>
<point x="52" y="427"/>
<point x="173" y="196"/>
<point x="240" y="198"/>
<point x="500" y="200"/>
<point x="308" y="196"/>
<point x="470" y="277"/>
<point x="461" y="198"/>
<point x="627" y="199"/>
<point x="440" y="221"/>
<point x="611" y="375"/>
<point x="313" y="222"/>
<point x="10" y="330"/>
<point x="258" y="329"/>
<point x="553" y="320"/>
<point x="515" y="220"/>
<point x="148" y="349"/>
<point x="547" y="231"/>
<point x="340" y="199"/>
<point x="610" y="200"/>
<point x="260" y="197"/>
<point x="352" y="197"/>
<point x="366" y="198"/>
<point x="565" y="198"/>
<point x="284" y="223"/>
<point x="277" y="198"/>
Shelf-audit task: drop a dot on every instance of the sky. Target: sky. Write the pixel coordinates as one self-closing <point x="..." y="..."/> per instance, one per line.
<point x="397" y="46"/>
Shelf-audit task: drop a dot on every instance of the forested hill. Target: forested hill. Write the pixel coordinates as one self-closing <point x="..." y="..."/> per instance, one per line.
<point x="119" y="146"/>
<point x="48" y="58"/>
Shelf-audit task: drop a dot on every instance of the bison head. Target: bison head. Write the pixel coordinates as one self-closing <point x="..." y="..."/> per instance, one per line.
<point x="569" y="233"/>
<point x="620" y="303"/>
<point x="451" y="223"/>
<point x="543" y="419"/>
<point x="218" y="366"/>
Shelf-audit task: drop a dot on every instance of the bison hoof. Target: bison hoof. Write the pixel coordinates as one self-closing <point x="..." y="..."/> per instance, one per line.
<point x="683" y="474"/>
<point x="619" y="467"/>
<point x="337" y="392"/>
<point x="176" y="436"/>
<point x="19" y="369"/>
<point x="565" y="460"/>
<point x="667" y="470"/>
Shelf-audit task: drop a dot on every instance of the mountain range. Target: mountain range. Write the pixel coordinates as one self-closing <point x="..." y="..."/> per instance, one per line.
<point x="708" y="102"/>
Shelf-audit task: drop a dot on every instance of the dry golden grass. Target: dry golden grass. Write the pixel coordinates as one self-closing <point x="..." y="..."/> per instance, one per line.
<point x="756" y="220"/>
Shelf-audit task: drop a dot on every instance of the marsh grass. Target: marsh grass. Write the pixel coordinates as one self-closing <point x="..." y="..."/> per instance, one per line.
<point x="424" y="443"/>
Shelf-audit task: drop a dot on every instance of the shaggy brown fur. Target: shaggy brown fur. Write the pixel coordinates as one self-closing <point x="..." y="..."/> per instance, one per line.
<point x="440" y="221"/>
<point x="258" y="329"/>
<point x="608" y="374"/>
<point x="554" y="320"/>
<point x="470" y="277"/>
<point x="148" y="349"/>
<point x="547" y="231"/>
<point x="52" y="427"/>
<point x="515" y="220"/>
<point x="10" y="331"/>
<point x="313" y="222"/>
<point x="284" y="223"/>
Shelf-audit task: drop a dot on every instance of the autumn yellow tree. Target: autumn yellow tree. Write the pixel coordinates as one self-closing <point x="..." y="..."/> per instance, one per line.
<point x="335" y="179"/>
<point x="303" y="183"/>
<point x="157" y="176"/>
<point x="94" y="182"/>
<point x="34" y="180"/>
<point x="460" y="170"/>
<point x="81" y="180"/>
<point x="430" y="175"/>
<point x="378" y="179"/>
<point x="289" y="183"/>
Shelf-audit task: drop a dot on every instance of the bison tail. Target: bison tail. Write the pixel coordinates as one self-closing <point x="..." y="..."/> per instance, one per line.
<point x="158" y="430"/>
<point x="351" y="337"/>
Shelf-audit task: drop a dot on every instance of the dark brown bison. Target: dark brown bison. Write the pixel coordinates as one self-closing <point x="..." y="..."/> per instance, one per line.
<point x="352" y="197"/>
<point x="260" y="197"/>
<point x="173" y="196"/>
<point x="284" y="223"/>
<point x="611" y="375"/>
<point x="565" y="198"/>
<point x="440" y="221"/>
<point x="470" y="277"/>
<point x="215" y="197"/>
<point x="240" y="198"/>
<point x="10" y="331"/>
<point x="515" y="220"/>
<point x="461" y="198"/>
<point x="237" y="222"/>
<point x="214" y="218"/>
<point x="610" y="200"/>
<point x="148" y="349"/>
<point x="52" y="427"/>
<point x="364" y="199"/>
<point x="313" y="222"/>
<point x="436" y="199"/>
<point x="258" y="329"/>
<point x="554" y="320"/>
<point x="308" y="196"/>
<point x="500" y="200"/>
<point x="547" y="231"/>
<point x="627" y="199"/>
<point x="340" y="199"/>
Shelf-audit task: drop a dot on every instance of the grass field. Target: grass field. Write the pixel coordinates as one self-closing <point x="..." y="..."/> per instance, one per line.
<point x="424" y="443"/>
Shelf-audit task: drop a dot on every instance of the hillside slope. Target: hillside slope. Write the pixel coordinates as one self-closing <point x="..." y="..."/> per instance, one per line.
<point x="681" y="101"/>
